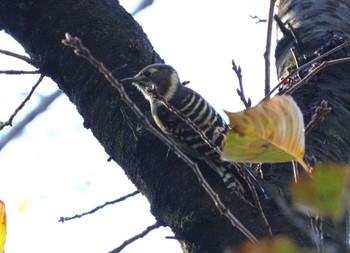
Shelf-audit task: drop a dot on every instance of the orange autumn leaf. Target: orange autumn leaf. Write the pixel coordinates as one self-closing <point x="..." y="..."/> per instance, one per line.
<point x="271" y="132"/>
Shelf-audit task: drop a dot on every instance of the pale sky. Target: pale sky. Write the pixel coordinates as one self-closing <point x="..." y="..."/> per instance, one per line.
<point x="199" y="39"/>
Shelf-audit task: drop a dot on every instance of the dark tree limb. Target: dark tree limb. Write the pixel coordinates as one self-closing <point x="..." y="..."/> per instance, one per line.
<point x="177" y="199"/>
<point x="81" y="50"/>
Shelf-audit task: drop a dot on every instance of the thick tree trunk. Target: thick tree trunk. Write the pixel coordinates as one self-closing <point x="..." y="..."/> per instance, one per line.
<point x="177" y="200"/>
<point x="317" y="25"/>
<point x="313" y="22"/>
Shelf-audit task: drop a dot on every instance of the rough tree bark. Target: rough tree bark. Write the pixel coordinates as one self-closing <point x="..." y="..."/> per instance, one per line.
<point x="176" y="198"/>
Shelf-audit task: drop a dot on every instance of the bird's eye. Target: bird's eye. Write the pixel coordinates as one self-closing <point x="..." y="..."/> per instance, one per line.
<point x="147" y="73"/>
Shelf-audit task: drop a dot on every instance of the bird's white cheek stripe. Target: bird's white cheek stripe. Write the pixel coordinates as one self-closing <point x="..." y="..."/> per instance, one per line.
<point x="174" y="82"/>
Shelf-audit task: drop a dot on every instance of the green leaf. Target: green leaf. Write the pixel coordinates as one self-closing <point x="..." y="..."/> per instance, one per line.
<point x="274" y="245"/>
<point x="326" y="193"/>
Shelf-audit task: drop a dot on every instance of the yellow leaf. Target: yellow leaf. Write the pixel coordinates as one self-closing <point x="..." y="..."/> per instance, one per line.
<point x="2" y="226"/>
<point x="325" y="193"/>
<point x="271" y="132"/>
<point x="274" y="245"/>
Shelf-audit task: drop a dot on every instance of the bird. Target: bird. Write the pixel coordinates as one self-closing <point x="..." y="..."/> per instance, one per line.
<point x="186" y="118"/>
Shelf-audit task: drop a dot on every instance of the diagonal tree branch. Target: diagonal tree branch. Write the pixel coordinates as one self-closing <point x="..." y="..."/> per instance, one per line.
<point x="21" y="57"/>
<point x="18" y="127"/>
<point x="9" y="121"/>
<point x="64" y="219"/>
<point x="82" y="51"/>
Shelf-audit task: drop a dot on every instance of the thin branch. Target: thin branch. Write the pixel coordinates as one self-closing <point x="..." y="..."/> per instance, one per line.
<point x="136" y="237"/>
<point x="21" y="57"/>
<point x="268" y="47"/>
<point x="319" y="232"/>
<point x="63" y="219"/>
<point x="258" y="20"/>
<point x="18" y="127"/>
<point x="316" y="227"/>
<point x="9" y="121"/>
<point x="82" y="51"/>
<point x="321" y="111"/>
<point x="240" y="91"/>
<point x="281" y="25"/>
<point x="19" y="72"/>
<point x="143" y="5"/>
<point x="314" y="71"/>
<point x="306" y="65"/>
<point x="295" y="171"/>
<point x="297" y="40"/>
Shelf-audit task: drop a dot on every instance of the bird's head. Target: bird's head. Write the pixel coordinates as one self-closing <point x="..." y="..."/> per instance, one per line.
<point x="156" y="79"/>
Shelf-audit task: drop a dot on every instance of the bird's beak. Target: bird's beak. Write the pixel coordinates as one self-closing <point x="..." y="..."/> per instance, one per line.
<point x="129" y="80"/>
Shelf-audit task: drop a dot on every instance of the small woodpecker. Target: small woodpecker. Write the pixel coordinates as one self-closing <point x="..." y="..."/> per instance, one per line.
<point x="159" y="82"/>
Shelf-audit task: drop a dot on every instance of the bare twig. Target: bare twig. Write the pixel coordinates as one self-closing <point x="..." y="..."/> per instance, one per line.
<point x="268" y="47"/>
<point x="297" y="40"/>
<point x="295" y="171"/>
<point x="9" y="121"/>
<point x="315" y="71"/>
<point x="306" y="65"/>
<point x="82" y="51"/>
<point x="258" y="20"/>
<point x="19" y="72"/>
<point x="142" y="5"/>
<point x="316" y="226"/>
<point x="321" y="111"/>
<point x="63" y="219"/>
<point x="281" y="25"/>
<point x="319" y="231"/>
<point x="136" y="237"/>
<point x="18" y="127"/>
<point x="184" y="83"/>
<point x="21" y="57"/>
<point x="240" y="91"/>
